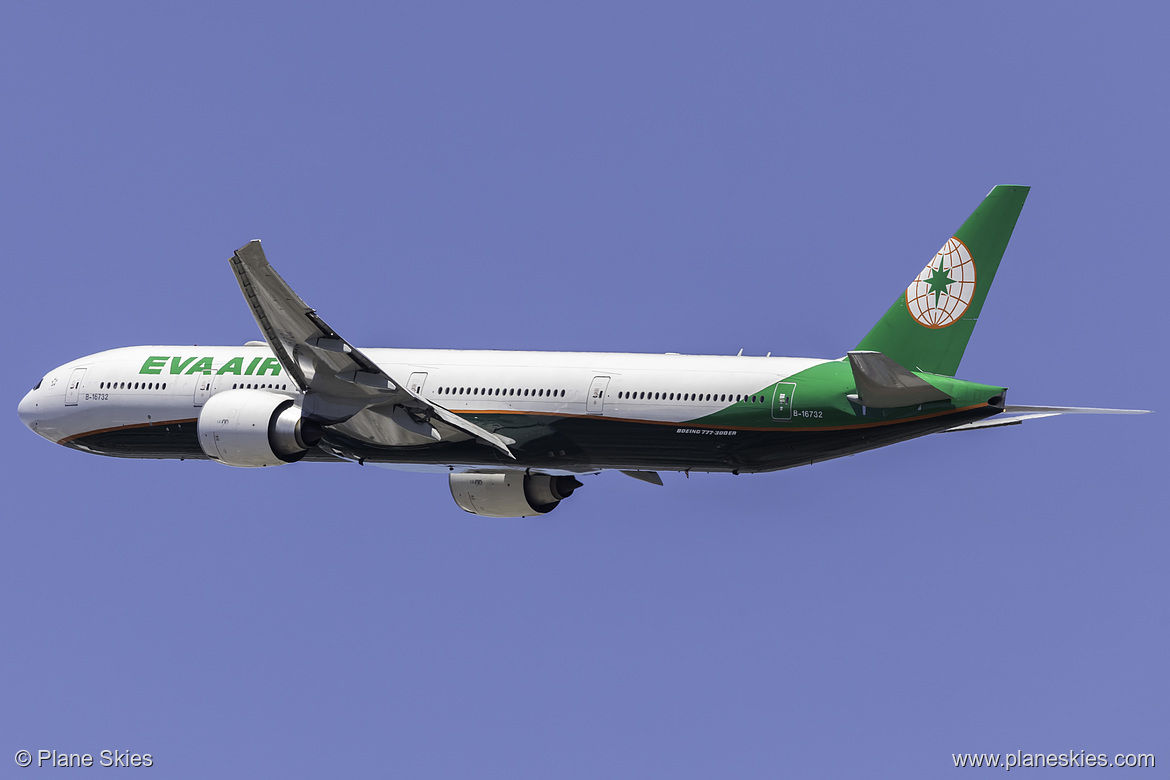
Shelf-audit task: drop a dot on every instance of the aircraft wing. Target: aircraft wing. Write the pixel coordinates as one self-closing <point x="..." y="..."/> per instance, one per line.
<point x="338" y="381"/>
<point x="1014" y="415"/>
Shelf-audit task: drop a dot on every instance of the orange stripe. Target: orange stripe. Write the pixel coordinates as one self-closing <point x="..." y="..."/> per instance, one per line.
<point x="723" y="427"/>
<point x="68" y="439"/>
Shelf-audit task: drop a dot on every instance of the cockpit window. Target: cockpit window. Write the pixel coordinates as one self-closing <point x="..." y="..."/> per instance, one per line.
<point x="38" y="385"/>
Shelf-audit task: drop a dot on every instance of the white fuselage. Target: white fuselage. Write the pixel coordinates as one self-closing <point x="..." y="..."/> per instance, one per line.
<point x="154" y="385"/>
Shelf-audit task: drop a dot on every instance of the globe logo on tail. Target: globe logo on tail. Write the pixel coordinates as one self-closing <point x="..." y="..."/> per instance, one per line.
<point x="944" y="289"/>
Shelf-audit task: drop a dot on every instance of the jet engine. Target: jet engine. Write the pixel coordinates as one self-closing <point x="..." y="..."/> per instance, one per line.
<point x="510" y="493"/>
<point x="254" y="428"/>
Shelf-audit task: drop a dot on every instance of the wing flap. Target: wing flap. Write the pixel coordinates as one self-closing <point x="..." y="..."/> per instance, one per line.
<point x="651" y="477"/>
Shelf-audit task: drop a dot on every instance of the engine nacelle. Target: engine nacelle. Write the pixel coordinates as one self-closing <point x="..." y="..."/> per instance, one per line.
<point x="510" y="493"/>
<point x="250" y="428"/>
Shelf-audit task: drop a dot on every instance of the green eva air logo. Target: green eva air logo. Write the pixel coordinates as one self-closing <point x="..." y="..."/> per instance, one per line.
<point x="203" y="365"/>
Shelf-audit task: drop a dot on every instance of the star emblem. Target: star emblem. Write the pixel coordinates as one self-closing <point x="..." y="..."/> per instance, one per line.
<point x="938" y="281"/>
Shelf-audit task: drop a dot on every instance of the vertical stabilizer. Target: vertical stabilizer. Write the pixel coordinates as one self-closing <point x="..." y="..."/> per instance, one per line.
<point x="928" y="327"/>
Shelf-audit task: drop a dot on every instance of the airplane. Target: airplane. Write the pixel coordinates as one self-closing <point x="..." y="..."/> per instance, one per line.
<point x="514" y="430"/>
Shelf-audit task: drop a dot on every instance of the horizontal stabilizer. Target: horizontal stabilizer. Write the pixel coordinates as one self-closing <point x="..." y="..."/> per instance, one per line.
<point x="1015" y="414"/>
<point x="883" y="384"/>
<point x="1029" y="410"/>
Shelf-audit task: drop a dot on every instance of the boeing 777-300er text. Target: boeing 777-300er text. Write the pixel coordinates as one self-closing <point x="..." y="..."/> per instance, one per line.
<point x="515" y="430"/>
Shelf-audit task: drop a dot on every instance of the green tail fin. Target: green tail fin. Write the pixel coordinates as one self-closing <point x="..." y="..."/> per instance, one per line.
<point x="928" y="327"/>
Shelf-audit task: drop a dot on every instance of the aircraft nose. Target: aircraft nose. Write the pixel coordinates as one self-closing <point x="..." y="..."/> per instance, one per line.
<point x="28" y="410"/>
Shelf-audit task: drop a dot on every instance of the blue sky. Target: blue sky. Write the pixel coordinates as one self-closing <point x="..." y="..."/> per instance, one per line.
<point x="626" y="177"/>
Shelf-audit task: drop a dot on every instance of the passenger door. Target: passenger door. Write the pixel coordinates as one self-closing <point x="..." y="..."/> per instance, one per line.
<point x="595" y="401"/>
<point x="416" y="382"/>
<point x="782" y="401"/>
<point x="203" y="388"/>
<point x="73" y="389"/>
